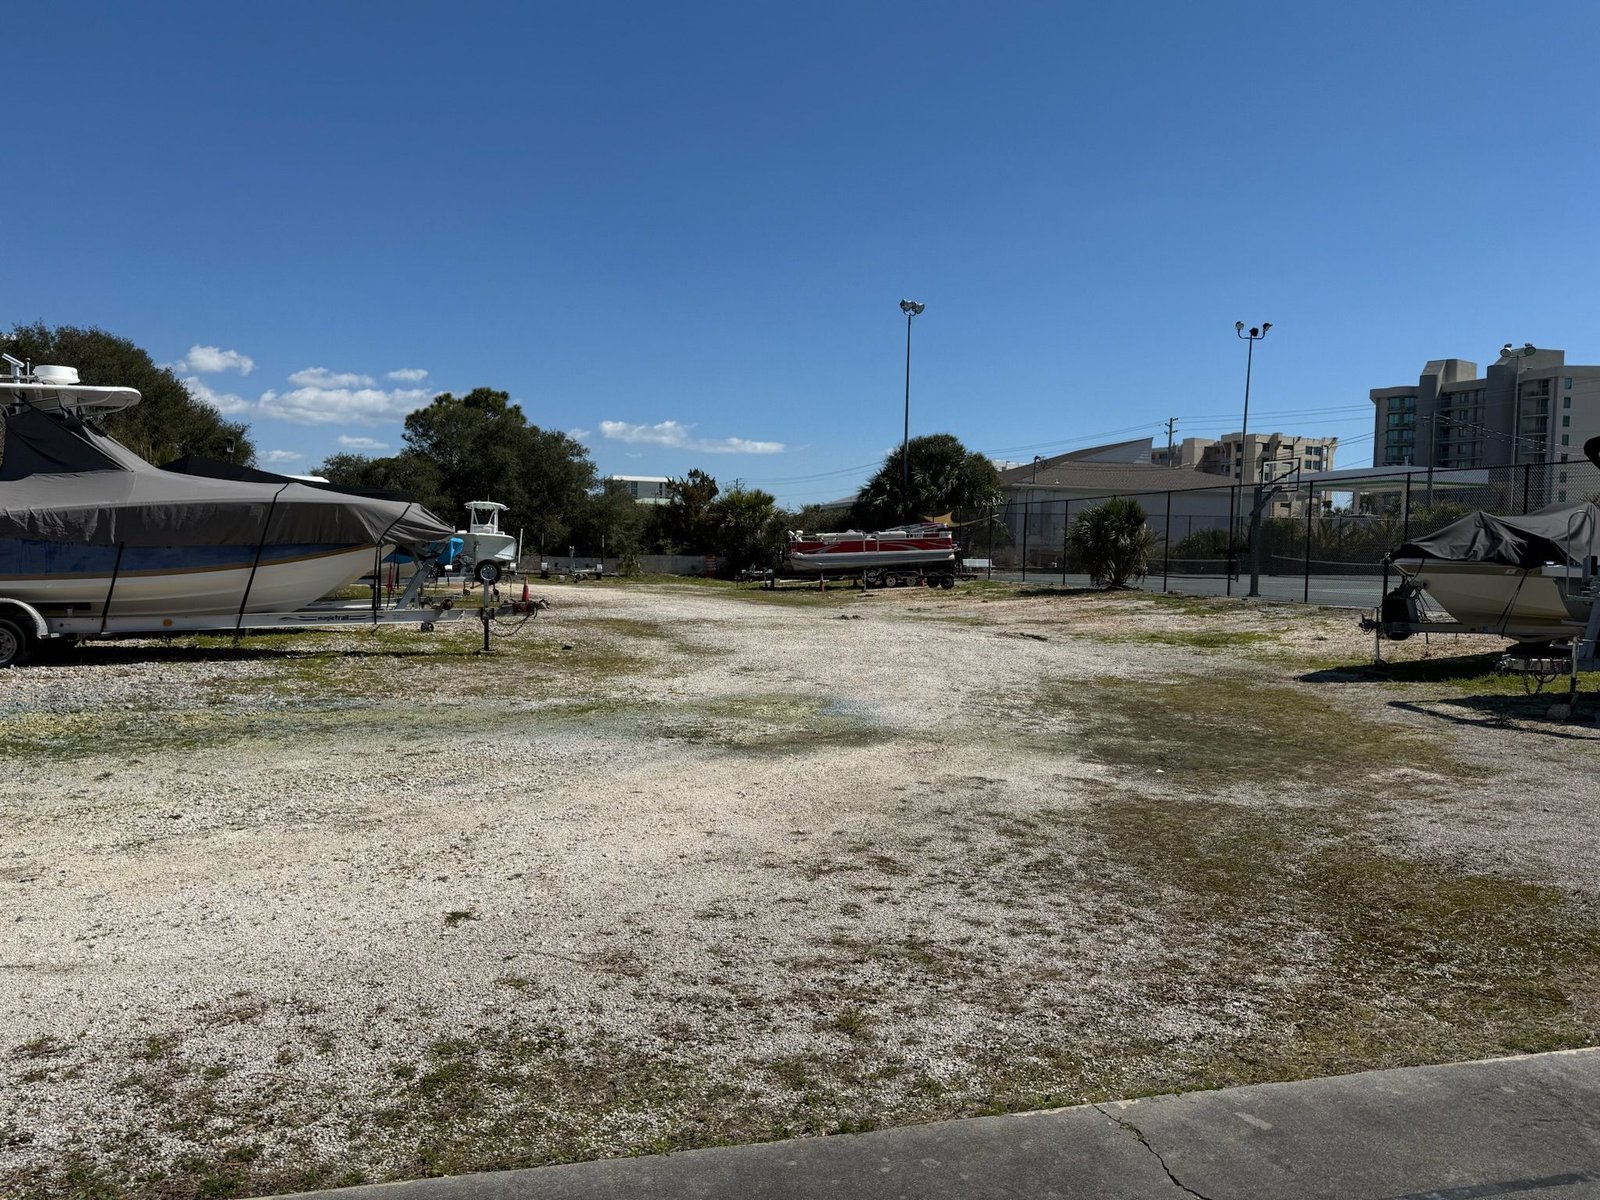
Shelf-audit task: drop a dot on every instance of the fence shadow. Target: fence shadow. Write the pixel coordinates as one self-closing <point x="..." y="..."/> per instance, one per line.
<point x="1528" y="712"/>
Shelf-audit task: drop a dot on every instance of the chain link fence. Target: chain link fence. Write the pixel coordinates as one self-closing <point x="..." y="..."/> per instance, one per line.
<point x="1314" y="542"/>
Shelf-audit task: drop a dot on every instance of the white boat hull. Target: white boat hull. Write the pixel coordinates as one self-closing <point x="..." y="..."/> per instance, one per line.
<point x="1492" y="598"/>
<point x="872" y="560"/>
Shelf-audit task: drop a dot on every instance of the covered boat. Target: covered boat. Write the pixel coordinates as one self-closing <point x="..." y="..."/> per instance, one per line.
<point x="87" y="527"/>
<point x="1523" y="577"/>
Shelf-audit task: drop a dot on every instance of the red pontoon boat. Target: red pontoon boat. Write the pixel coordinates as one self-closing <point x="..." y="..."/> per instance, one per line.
<point x="926" y="551"/>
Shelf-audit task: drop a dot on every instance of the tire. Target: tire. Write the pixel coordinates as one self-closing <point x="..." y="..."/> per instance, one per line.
<point x="949" y="581"/>
<point x="16" y="644"/>
<point x="487" y="572"/>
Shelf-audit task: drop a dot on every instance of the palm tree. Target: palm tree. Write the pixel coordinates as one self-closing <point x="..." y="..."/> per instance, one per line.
<point x="1113" y="542"/>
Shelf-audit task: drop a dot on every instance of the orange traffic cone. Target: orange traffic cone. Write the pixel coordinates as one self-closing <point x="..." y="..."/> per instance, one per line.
<point x="524" y="591"/>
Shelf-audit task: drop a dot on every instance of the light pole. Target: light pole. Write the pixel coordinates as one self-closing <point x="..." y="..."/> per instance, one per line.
<point x="911" y="308"/>
<point x="1540" y="446"/>
<point x="1254" y="335"/>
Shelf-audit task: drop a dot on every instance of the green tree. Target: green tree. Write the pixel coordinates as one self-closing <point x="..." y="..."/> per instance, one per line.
<point x="814" y="518"/>
<point x="612" y="523"/>
<point x="1113" y="543"/>
<point x="945" y="476"/>
<point x="407" y="472"/>
<point x="167" y="423"/>
<point x="484" y="449"/>
<point x="686" y="524"/>
<point x="750" y="530"/>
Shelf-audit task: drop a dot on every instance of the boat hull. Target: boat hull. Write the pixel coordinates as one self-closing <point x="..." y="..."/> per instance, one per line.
<point x="870" y="560"/>
<point x="1528" y="605"/>
<point x="175" y="581"/>
<point x="928" y="549"/>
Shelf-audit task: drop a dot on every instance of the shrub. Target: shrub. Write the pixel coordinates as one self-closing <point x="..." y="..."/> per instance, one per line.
<point x="1113" y="542"/>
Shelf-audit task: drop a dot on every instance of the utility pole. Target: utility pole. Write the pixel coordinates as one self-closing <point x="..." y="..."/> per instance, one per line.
<point x="1171" y="421"/>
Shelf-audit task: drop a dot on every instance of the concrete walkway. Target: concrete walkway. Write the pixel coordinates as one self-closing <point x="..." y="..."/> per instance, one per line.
<point x="1524" y="1127"/>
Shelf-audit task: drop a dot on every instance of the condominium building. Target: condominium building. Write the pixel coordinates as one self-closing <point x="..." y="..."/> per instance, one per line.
<point x="1529" y="406"/>
<point x="1269" y="456"/>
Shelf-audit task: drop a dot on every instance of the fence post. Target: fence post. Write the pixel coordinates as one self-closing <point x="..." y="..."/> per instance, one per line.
<point x="1166" y="543"/>
<point x="994" y="516"/>
<point x="1311" y="512"/>
<point x="1527" y="477"/>
<point x="1405" y="511"/>
<point x="1233" y="527"/>
<point x="1066" y="525"/>
<point x="1026" y="521"/>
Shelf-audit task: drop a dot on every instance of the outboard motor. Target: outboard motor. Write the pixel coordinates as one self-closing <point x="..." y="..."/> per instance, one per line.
<point x="1400" y="610"/>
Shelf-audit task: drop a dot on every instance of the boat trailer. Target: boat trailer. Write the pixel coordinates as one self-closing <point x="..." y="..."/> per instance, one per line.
<point x="24" y="629"/>
<point x="1402" y="615"/>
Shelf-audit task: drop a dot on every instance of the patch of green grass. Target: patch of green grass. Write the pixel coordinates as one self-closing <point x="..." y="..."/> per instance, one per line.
<point x="45" y="1045"/>
<point x="764" y="723"/>
<point x="1216" y="731"/>
<point x="1203" y="639"/>
<point x="852" y="1022"/>
<point x="456" y="916"/>
<point x="1358" y="957"/>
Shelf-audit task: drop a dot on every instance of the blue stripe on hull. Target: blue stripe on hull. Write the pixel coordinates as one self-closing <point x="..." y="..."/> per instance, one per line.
<point x="27" y="558"/>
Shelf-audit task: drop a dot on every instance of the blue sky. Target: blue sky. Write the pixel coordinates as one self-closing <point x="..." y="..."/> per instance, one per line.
<point x="683" y="231"/>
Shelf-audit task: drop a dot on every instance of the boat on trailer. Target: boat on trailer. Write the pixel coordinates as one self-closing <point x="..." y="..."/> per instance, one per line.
<point x="1529" y="578"/>
<point x="482" y="549"/>
<point x="926" y="550"/>
<point x="95" y="541"/>
<point x="1534" y="579"/>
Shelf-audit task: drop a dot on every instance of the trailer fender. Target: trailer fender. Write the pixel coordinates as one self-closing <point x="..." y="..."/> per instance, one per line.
<point x="26" y="615"/>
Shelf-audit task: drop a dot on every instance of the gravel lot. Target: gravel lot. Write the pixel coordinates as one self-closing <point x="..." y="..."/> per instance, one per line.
<point x="367" y="905"/>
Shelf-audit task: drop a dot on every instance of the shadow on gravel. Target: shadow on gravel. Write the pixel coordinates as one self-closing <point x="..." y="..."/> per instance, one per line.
<point x="1426" y="670"/>
<point x="252" y="649"/>
<point x="1529" y="713"/>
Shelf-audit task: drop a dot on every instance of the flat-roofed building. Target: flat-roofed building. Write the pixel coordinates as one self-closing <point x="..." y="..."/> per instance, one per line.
<point x="1530" y="408"/>
<point x="646" y="489"/>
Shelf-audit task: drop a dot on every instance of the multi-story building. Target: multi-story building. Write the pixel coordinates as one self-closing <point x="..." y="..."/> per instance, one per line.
<point x="1529" y="407"/>
<point x="646" y="489"/>
<point x="1270" y="455"/>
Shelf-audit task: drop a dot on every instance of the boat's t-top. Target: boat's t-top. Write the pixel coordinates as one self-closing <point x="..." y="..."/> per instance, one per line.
<point x="56" y="389"/>
<point x="484" y="516"/>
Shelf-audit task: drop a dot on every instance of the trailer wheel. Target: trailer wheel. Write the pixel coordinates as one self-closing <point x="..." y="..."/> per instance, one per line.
<point x="487" y="572"/>
<point x="949" y="581"/>
<point x="16" y="647"/>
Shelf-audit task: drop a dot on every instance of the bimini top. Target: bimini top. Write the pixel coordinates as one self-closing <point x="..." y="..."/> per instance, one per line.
<point x="63" y="479"/>
<point x="1562" y="533"/>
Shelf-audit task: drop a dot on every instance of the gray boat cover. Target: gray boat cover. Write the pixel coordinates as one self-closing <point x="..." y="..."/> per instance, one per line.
<point x="63" y="480"/>
<point x="1559" y="534"/>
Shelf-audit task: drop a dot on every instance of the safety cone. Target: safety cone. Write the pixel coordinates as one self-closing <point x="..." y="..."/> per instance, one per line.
<point x="524" y="591"/>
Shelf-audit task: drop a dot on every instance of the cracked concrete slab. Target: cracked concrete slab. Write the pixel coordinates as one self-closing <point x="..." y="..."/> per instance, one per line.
<point x="1527" y="1127"/>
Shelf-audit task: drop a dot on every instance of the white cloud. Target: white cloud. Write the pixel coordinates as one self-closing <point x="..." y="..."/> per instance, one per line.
<point x="225" y="403"/>
<point x="274" y="457"/>
<point x="580" y="435"/>
<point x="361" y="443"/>
<point x="676" y="436"/>
<point x="408" y="375"/>
<point x="341" y="405"/>
<point x="208" y="360"/>
<point x="321" y="377"/>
